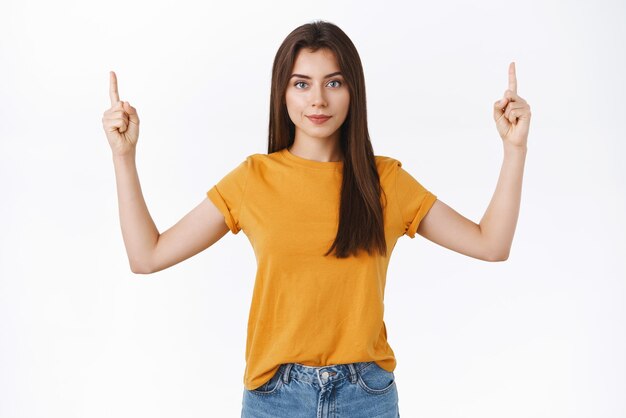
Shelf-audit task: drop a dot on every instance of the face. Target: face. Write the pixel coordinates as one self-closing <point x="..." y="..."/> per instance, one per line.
<point x="317" y="89"/>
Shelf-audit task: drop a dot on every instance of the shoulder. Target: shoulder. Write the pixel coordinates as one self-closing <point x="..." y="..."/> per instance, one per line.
<point x="387" y="171"/>
<point x="259" y="161"/>
<point x="386" y="165"/>
<point x="258" y="165"/>
<point x="384" y="160"/>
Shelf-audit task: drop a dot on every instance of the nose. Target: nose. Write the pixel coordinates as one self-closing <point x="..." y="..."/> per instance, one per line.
<point x="319" y="97"/>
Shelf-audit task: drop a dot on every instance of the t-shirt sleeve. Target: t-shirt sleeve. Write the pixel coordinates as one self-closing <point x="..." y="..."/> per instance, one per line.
<point x="414" y="200"/>
<point x="229" y="193"/>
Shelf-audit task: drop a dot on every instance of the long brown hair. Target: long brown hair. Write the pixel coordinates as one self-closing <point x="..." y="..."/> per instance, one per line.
<point x="360" y="215"/>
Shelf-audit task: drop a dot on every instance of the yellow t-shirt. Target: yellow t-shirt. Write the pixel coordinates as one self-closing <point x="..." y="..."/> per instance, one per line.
<point x="306" y="307"/>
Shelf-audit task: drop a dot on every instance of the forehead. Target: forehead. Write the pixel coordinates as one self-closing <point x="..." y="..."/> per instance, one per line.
<point x="320" y="62"/>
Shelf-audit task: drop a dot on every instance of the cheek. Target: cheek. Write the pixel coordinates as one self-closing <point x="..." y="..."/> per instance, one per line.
<point x="294" y="105"/>
<point x="345" y="103"/>
<point x="290" y="105"/>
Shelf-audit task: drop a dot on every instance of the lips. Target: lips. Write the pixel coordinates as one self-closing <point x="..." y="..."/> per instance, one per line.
<point x="318" y="118"/>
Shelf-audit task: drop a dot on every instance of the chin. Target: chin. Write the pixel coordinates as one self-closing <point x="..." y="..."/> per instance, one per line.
<point x="321" y="136"/>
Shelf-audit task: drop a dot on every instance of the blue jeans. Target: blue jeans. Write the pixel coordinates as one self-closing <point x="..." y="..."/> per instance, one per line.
<point x="353" y="390"/>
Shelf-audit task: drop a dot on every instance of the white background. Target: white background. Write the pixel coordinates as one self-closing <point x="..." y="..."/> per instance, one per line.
<point x="542" y="334"/>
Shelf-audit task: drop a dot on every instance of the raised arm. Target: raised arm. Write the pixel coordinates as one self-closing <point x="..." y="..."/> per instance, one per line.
<point x="490" y="240"/>
<point x="194" y="233"/>
<point x="149" y="251"/>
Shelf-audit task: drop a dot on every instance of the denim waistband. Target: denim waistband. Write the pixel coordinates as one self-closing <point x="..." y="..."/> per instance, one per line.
<point x="321" y="375"/>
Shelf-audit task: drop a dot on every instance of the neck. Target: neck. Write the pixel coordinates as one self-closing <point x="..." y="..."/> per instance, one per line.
<point x="317" y="149"/>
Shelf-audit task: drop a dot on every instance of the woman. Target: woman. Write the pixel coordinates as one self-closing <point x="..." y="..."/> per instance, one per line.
<point x="323" y="214"/>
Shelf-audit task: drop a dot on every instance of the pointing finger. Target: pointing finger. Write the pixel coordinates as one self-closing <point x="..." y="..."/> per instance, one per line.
<point x="113" y="94"/>
<point x="512" y="78"/>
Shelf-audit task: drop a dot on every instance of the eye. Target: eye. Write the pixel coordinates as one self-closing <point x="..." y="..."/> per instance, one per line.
<point x="302" y="82"/>
<point x="336" y="81"/>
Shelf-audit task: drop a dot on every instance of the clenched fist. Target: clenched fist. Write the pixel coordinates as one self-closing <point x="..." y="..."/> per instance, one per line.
<point x="120" y="122"/>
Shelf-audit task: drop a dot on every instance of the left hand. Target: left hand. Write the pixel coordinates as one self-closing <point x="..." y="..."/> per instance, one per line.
<point x="512" y="114"/>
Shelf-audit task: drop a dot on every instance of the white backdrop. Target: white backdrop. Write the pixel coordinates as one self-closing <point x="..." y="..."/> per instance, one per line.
<point x="542" y="334"/>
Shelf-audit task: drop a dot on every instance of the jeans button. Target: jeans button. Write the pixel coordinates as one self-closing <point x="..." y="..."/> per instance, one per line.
<point x="325" y="375"/>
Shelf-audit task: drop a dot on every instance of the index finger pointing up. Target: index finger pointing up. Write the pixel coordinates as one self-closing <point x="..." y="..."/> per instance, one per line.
<point x="115" y="97"/>
<point x="512" y="78"/>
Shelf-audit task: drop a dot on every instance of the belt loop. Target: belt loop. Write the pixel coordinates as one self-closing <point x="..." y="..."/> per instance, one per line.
<point x="353" y="375"/>
<point x="286" y="372"/>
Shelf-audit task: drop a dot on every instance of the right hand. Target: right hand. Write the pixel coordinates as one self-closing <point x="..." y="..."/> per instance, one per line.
<point x="120" y="122"/>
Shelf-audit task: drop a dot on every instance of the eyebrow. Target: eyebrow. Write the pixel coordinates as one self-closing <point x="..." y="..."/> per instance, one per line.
<point x="308" y="78"/>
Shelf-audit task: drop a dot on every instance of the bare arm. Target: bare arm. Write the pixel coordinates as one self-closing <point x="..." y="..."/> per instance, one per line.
<point x="490" y="240"/>
<point x="138" y="229"/>
<point x="147" y="250"/>
<point x="448" y="228"/>
<point x="500" y="219"/>
<point x="202" y="227"/>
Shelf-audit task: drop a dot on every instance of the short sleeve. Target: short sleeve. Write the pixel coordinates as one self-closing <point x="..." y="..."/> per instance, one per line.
<point x="414" y="200"/>
<point x="228" y="195"/>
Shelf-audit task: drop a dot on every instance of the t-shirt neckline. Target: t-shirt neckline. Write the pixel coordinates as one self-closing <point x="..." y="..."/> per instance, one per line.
<point x="310" y="163"/>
